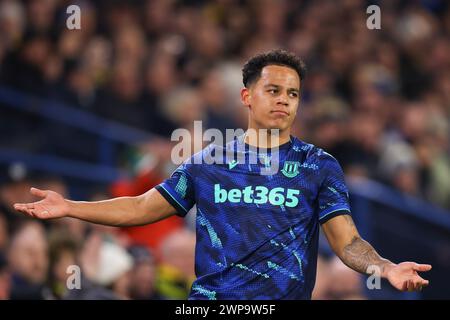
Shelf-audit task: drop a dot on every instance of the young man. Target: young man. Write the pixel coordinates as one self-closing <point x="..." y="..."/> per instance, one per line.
<point x="257" y="234"/>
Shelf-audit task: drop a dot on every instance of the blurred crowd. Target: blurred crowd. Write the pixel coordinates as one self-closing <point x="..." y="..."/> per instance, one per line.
<point x="378" y="100"/>
<point x="72" y="259"/>
<point x="37" y="258"/>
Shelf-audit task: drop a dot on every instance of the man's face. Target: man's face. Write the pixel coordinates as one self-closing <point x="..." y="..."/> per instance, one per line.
<point x="273" y="99"/>
<point x="29" y="254"/>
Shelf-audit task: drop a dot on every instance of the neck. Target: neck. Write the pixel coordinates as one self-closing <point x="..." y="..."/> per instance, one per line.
<point x="266" y="138"/>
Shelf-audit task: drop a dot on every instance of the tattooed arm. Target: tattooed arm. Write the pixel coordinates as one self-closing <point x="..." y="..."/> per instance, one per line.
<point x="360" y="256"/>
<point x="346" y="242"/>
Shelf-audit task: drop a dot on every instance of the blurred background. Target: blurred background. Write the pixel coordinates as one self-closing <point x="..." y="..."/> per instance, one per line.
<point x="89" y="113"/>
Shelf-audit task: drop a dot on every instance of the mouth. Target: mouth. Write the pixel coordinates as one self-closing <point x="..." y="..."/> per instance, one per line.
<point x="280" y="112"/>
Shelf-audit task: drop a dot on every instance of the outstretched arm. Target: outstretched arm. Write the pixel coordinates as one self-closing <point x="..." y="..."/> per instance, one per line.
<point x="359" y="255"/>
<point x="124" y="211"/>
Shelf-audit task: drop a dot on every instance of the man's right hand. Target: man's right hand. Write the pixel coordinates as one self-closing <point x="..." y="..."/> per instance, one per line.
<point x="119" y="212"/>
<point x="53" y="205"/>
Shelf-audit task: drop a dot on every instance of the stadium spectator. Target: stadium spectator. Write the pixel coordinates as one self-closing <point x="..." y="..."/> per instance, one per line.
<point x="143" y="275"/>
<point x="5" y="279"/>
<point x="28" y="260"/>
<point x="176" y="268"/>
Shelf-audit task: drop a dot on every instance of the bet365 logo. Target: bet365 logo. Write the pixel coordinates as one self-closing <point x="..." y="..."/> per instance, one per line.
<point x="258" y="195"/>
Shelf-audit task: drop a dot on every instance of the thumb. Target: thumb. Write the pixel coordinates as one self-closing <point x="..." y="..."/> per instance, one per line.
<point x="422" y="267"/>
<point x="38" y="192"/>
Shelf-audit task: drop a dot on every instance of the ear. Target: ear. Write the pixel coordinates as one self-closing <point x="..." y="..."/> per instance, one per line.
<point x="245" y="97"/>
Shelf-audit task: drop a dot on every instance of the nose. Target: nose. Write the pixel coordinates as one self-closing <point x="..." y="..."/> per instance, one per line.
<point x="282" y="100"/>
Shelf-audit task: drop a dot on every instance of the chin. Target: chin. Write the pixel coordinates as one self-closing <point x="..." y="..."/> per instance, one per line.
<point x="279" y="126"/>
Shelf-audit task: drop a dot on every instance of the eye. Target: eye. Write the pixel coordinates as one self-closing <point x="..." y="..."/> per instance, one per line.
<point x="272" y="91"/>
<point x="293" y="95"/>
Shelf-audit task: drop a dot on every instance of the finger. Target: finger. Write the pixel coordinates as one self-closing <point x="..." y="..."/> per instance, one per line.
<point x="26" y="211"/>
<point x="422" y="267"/>
<point x="29" y="210"/>
<point x="405" y="286"/>
<point x="410" y="285"/>
<point x="19" y="206"/>
<point x="422" y="281"/>
<point x="416" y="284"/>
<point x="38" y="192"/>
<point x="32" y="213"/>
<point x="419" y="285"/>
<point x="23" y="206"/>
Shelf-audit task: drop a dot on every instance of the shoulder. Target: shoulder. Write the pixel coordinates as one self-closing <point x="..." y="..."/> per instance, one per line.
<point x="211" y="154"/>
<point x="313" y="154"/>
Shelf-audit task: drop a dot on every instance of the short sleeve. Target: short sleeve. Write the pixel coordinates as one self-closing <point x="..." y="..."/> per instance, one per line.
<point x="179" y="190"/>
<point x="333" y="199"/>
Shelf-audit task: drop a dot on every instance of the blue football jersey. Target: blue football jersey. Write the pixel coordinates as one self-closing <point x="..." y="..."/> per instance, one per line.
<point x="257" y="228"/>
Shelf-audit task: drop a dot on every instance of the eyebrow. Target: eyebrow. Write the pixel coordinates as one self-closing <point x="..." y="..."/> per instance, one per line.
<point x="277" y="86"/>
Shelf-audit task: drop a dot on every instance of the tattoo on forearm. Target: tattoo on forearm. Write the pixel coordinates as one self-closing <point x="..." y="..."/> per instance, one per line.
<point x="359" y="255"/>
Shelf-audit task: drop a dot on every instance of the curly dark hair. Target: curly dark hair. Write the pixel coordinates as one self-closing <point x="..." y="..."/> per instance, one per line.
<point x="252" y="68"/>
